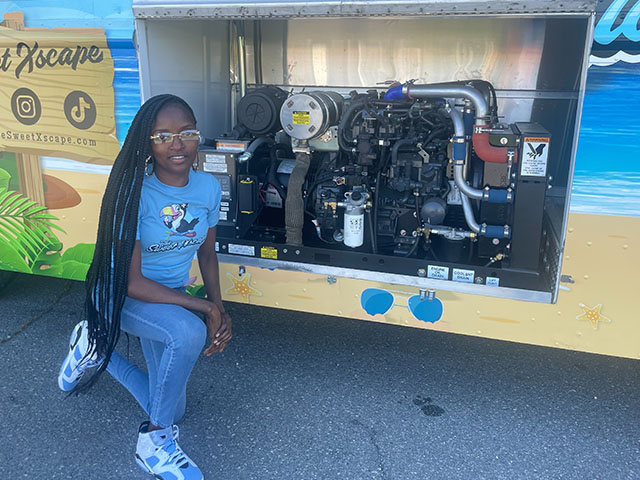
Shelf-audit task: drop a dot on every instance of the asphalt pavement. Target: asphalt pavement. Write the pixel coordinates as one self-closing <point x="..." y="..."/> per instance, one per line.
<point x="308" y="397"/>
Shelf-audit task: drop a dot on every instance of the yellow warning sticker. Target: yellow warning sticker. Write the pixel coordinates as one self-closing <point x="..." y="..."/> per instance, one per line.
<point x="269" y="252"/>
<point x="537" y="139"/>
<point x="301" y="118"/>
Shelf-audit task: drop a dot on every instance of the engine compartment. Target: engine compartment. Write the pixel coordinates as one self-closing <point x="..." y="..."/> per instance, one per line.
<point x="420" y="180"/>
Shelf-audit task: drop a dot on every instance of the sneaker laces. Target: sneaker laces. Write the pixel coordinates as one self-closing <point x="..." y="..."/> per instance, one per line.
<point x="176" y="455"/>
<point x="92" y="363"/>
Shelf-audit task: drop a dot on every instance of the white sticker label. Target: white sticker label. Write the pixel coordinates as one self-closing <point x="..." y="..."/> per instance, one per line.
<point x="213" y="158"/>
<point x="226" y="193"/>
<point x="217" y="246"/>
<point x="534" y="157"/>
<point x="460" y="275"/>
<point x="224" y="204"/>
<point x="224" y="209"/>
<point x="223" y="215"/>
<point x="441" y="273"/>
<point x="248" y="250"/>
<point x="214" y="167"/>
<point x="453" y="197"/>
<point x="493" y="281"/>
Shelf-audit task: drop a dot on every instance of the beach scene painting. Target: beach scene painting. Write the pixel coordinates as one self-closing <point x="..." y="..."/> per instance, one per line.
<point x="59" y="196"/>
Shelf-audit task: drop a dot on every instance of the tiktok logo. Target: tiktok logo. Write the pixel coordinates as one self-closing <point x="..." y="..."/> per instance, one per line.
<point x="80" y="110"/>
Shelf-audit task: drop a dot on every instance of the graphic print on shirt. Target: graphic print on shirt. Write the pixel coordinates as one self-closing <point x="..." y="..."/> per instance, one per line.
<point x="179" y="222"/>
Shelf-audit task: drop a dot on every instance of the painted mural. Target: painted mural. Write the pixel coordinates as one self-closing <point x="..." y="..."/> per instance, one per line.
<point x="595" y="311"/>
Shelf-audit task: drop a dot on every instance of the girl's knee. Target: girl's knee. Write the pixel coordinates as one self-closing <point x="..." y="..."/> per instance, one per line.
<point x="199" y="334"/>
<point x="191" y="335"/>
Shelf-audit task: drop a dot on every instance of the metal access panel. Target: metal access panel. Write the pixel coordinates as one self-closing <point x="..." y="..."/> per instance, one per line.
<point x="191" y="60"/>
<point x="222" y="165"/>
<point x="534" y="54"/>
<point x="239" y="9"/>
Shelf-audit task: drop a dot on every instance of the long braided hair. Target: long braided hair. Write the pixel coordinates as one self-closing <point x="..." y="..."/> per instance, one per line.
<point x="108" y="277"/>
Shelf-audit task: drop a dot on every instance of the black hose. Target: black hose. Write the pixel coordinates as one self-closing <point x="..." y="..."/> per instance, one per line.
<point x="376" y="198"/>
<point x="372" y="233"/>
<point x="346" y="120"/>
<point x="373" y="112"/>
<point x="397" y="145"/>
<point x="489" y="94"/>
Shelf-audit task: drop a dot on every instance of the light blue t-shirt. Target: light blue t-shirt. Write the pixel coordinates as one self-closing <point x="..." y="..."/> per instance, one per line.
<point x="172" y="224"/>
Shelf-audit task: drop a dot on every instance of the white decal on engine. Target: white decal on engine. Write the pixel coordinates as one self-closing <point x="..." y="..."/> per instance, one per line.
<point x="461" y="275"/>
<point x="534" y="157"/>
<point x="236" y="249"/>
<point x="441" y="273"/>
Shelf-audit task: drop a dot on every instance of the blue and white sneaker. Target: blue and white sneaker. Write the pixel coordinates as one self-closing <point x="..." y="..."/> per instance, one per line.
<point x="75" y="363"/>
<point x="159" y="454"/>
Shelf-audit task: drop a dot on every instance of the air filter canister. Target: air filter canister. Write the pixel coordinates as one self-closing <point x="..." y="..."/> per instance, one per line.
<point x="258" y="110"/>
<point x="309" y="115"/>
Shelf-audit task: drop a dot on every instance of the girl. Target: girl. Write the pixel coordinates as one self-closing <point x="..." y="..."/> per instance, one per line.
<point x="157" y="212"/>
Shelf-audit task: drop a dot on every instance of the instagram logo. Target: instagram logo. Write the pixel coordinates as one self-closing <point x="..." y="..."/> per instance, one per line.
<point x="25" y="106"/>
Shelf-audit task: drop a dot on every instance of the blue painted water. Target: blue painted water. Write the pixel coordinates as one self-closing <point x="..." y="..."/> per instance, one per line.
<point x="606" y="193"/>
<point x="126" y="84"/>
<point x="607" y="176"/>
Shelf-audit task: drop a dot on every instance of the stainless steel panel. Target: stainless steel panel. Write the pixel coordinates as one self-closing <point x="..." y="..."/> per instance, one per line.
<point x="574" y="149"/>
<point x="142" y="52"/>
<point x="362" y="52"/>
<point x="421" y="283"/>
<point x="189" y="59"/>
<point x="511" y="53"/>
<point x="301" y="8"/>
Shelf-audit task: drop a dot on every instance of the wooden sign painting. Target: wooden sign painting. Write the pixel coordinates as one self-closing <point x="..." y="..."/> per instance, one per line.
<point x="56" y="94"/>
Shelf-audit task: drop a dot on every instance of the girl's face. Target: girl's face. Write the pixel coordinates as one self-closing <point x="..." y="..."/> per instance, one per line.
<point x="172" y="160"/>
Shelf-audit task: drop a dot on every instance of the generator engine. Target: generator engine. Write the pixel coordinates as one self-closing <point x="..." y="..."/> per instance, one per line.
<point x="415" y="171"/>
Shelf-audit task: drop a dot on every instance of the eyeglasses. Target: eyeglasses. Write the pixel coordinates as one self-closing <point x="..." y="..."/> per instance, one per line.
<point x="166" y="137"/>
<point x="376" y="301"/>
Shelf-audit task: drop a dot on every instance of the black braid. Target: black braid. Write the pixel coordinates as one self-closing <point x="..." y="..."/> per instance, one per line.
<point x="108" y="277"/>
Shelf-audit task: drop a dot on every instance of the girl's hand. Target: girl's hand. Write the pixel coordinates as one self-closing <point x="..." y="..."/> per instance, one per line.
<point x="219" y="327"/>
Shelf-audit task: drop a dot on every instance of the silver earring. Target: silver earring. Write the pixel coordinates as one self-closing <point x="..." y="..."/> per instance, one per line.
<point x="195" y="165"/>
<point x="148" y="166"/>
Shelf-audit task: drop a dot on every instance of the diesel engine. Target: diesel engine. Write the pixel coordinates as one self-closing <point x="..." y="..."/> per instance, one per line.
<point x="414" y="179"/>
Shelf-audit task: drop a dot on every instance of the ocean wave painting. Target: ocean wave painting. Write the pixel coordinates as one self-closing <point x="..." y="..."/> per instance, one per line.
<point x="126" y="84"/>
<point x="612" y="193"/>
<point x="607" y="173"/>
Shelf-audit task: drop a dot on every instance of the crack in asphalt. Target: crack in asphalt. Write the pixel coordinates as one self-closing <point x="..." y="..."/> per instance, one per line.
<point x="25" y="325"/>
<point x="372" y="438"/>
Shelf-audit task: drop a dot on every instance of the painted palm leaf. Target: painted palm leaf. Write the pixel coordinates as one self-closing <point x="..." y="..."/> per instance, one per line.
<point x="25" y="225"/>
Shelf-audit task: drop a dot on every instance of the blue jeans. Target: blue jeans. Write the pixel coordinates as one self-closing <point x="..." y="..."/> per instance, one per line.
<point x="172" y="338"/>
